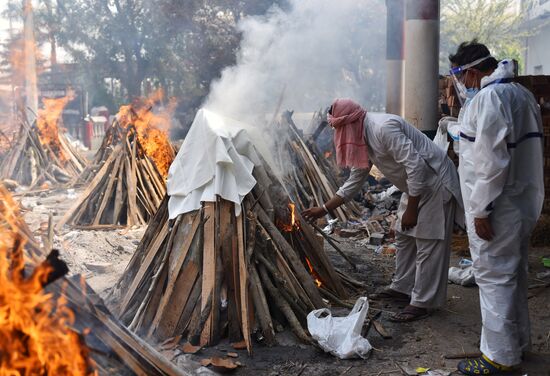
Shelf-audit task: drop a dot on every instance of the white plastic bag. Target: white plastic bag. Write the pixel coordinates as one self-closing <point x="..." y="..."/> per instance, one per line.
<point x="341" y="336"/>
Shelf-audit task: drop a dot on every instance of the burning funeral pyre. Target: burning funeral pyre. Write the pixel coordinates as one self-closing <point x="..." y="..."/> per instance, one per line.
<point x="40" y="152"/>
<point x="127" y="183"/>
<point x="210" y="273"/>
<point x="35" y="334"/>
<point x="54" y="325"/>
<point x="309" y="174"/>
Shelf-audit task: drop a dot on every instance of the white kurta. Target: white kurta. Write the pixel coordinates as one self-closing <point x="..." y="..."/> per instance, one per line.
<point x="418" y="167"/>
<point x="415" y="165"/>
<point x="501" y="173"/>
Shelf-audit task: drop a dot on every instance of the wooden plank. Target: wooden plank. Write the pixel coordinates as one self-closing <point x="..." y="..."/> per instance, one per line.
<point x="155" y="175"/>
<point x="118" y="195"/>
<point x="174" y="270"/>
<point x="208" y="268"/>
<point x="132" y="217"/>
<point x="216" y="302"/>
<point x="84" y="196"/>
<point x="142" y="270"/>
<point x="306" y="281"/>
<point x="107" y="192"/>
<point x="150" y="203"/>
<point x="319" y="259"/>
<point x="192" y="302"/>
<point x="169" y="316"/>
<point x="70" y="153"/>
<point x="145" y="359"/>
<point x="243" y="276"/>
<point x="229" y="236"/>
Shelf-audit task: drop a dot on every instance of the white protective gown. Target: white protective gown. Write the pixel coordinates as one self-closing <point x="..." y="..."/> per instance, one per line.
<point x="501" y="176"/>
<point x="418" y="167"/>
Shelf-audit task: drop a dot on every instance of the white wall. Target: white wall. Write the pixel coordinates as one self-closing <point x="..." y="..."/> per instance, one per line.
<point x="538" y="52"/>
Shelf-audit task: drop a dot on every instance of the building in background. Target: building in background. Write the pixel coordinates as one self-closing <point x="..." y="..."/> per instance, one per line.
<point x="537" y="51"/>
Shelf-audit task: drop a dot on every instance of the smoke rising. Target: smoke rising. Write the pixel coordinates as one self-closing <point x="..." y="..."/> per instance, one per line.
<point x="313" y="52"/>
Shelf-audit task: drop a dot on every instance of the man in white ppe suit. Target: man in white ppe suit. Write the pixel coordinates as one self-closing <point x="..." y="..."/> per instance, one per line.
<point x="501" y="177"/>
<point x="430" y="186"/>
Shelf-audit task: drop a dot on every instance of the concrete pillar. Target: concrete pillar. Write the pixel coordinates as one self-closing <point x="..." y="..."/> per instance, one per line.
<point x="422" y="64"/>
<point x="394" y="56"/>
<point x="31" y="87"/>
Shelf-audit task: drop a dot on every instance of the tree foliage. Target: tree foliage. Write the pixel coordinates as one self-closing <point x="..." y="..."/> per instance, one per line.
<point x="180" y="45"/>
<point x="495" y="23"/>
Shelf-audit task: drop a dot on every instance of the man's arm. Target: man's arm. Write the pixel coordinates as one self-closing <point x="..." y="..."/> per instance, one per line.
<point x="355" y="182"/>
<point x="401" y="148"/>
<point x="491" y="160"/>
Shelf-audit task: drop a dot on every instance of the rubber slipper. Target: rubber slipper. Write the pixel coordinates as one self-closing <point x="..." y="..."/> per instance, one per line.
<point x="482" y="366"/>
<point x="410" y="313"/>
<point x="389" y="294"/>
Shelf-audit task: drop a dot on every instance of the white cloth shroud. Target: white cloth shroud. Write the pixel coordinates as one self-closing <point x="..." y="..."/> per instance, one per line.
<point x="217" y="158"/>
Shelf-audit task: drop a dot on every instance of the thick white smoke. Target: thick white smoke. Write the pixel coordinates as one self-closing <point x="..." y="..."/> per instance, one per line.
<point x="315" y="51"/>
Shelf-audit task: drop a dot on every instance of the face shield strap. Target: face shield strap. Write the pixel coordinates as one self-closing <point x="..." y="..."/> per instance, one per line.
<point x="459" y="86"/>
<point x="457" y="70"/>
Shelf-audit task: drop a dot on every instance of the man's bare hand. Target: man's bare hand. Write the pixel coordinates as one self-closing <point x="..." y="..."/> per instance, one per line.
<point x="484" y="229"/>
<point x="313" y="213"/>
<point x="409" y="218"/>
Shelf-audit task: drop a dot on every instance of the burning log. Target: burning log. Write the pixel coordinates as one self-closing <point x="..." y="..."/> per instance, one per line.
<point x="10" y="218"/>
<point x="35" y="334"/>
<point x="36" y="158"/>
<point x="151" y="130"/>
<point x="310" y="177"/>
<point x="52" y="328"/>
<point x="209" y="274"/>
<point x="126" y="190"/>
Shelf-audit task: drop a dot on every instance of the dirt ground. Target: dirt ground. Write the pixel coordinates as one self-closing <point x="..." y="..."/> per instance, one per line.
<point x="101" y="257"/>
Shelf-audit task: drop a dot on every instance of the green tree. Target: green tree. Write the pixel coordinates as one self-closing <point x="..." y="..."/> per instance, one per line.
<point x="495" y="23"/>
<point x="180" y="45"/>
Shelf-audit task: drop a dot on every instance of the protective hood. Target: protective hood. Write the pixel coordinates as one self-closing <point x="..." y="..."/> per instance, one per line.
<point x="505" y="70"/>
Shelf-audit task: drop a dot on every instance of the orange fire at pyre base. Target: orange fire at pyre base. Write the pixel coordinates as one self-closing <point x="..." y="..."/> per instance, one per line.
<point x="293" y="227"/>
<point x="35" y="338"/>
<point x="151" y="128"/>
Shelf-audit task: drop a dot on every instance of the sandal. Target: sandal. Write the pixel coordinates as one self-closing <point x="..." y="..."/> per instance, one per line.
<point x="410" y="313"/>
<point x="389" y="294"/>
<point x="482" y="366"/>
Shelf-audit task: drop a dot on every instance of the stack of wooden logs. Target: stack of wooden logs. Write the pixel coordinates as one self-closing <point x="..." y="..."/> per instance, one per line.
<point x="113" y="348"/>
<point x="309" y="176"/>
<point x="113" y="136"/>
<point x="32" y="163"/>
<point x="209" y="274"/>
<point x="126" y="190"/>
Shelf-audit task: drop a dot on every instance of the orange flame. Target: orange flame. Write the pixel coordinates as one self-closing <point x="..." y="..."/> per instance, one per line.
<point x="35" y="338"/>
<point x="152" y="128"/>
<point x="48" y="123"/>
<point x="313" y="273"/>
<point x="294" y="224"/>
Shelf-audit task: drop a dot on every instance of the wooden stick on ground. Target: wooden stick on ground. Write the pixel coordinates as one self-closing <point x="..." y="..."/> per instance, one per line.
<point x="333" y="244"/>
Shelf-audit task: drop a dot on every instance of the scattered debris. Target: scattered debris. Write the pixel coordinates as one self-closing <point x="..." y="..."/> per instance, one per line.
<point x="188" y="348"/>
<point x="381" y="330"/>
<point x="239" y="345"/>
<point x="222" y="365"/>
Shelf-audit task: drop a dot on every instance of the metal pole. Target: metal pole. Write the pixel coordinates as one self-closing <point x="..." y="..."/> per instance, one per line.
<point x="394" y="56"/>
<point x="31" y="89"/>
<point x="422" y="64"/>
